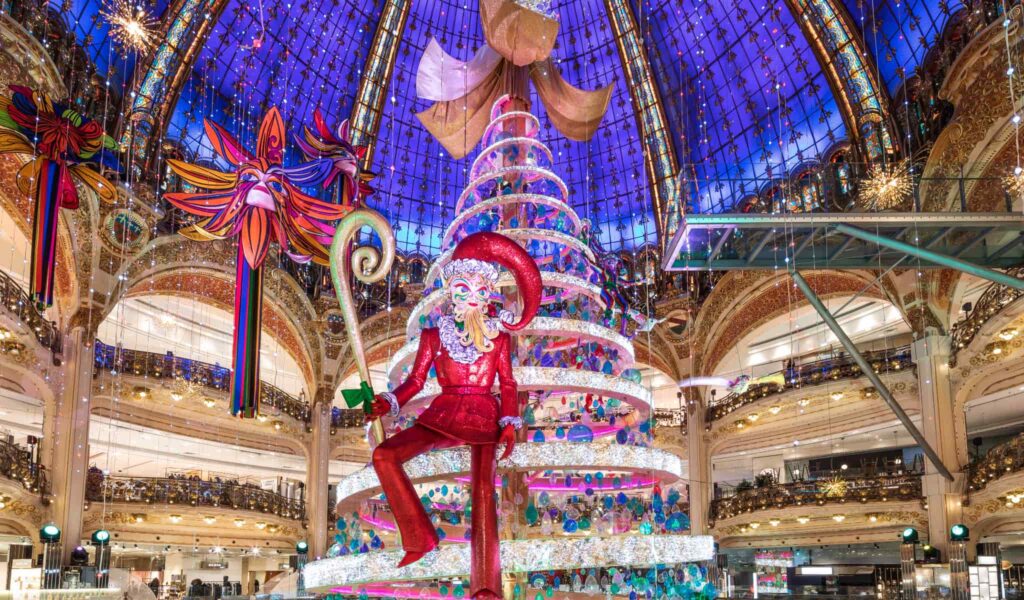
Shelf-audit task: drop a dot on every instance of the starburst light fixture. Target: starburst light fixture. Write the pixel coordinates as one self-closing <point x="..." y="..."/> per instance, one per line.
<point x="834" y="487"/>
<point x="887" y="186"/>
<point x="131" y="25"/>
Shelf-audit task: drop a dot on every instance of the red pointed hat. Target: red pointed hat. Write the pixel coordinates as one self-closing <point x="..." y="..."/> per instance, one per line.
<point x="475" y="252"/>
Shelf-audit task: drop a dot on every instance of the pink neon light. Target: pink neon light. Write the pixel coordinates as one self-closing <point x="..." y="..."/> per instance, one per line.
<point x="555" y="487"/>
<point x="390" y="592"/>
<point x="389" y="526"/>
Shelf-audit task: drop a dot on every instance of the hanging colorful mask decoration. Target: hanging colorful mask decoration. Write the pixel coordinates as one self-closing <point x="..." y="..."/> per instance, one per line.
<point x="259" y="201"/>
<point x="63" y="144"/>
<point x="344" y="156"/>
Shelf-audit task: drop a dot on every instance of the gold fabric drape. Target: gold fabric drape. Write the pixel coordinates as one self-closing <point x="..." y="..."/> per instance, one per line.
<point x="574" y="112"/>
<point x="459" y="124"/>
<point x="521" y="35"/>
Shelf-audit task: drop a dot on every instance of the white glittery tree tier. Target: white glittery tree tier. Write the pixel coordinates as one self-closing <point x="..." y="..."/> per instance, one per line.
<point x="517" y="556"/>
<point x="556" y="379"/>
<point x="522" y="235"/>
<point x="527" y="456"/>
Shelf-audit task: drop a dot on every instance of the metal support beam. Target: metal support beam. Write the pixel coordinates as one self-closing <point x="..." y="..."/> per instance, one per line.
<point x="938" y="237"/>
<point x="1007" y="246"/>
<point x="974" y="242"/>
<point x="869" y="372"/>
<point x="935" y="257"/>
<point x="760" y="246"/>
<point x="718" y="245"/>
<point x="842" y="248"/>
<point x="803" y="245"/>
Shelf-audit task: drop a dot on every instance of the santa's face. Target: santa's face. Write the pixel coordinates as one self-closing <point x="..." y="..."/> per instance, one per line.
<point x="469" y="293"/>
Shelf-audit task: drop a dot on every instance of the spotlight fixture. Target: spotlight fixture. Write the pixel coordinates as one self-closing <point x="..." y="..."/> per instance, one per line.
<point x="776" y="409"/>
<point x="836" y="396"/>
<point x="959" y="533"/>
<point x="1007" y="334"/>
<point x="803" y="520"/>
<point x="101" y="537"/>
<point x="753" y="417"/>
<point x="175" y="518"/>
<point x="239" y="522"/>
<point x="209" y="402"/>
<point x="838" y="518"/>
<point x="774" y="522"/>
<point x="910" y="536"/>
<point x="209" y="520"/>
<point x="49" y="533"/>
<point x="261" y="525"/>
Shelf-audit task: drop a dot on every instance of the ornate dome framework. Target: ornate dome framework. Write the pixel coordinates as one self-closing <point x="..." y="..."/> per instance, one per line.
<point x="736" y="93"/>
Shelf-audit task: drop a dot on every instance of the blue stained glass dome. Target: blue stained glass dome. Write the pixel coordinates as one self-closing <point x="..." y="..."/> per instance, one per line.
<point x="744" y="95"/>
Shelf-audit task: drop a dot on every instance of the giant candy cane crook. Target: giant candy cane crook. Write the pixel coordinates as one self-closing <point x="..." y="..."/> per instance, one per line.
<point x="369" y="265"/>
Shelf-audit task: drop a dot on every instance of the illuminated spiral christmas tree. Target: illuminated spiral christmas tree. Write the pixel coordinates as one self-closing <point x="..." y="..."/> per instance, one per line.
<point x="583" y="484"/>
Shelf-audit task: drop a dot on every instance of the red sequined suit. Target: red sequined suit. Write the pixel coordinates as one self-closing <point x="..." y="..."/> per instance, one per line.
<point x="464" y="413"/>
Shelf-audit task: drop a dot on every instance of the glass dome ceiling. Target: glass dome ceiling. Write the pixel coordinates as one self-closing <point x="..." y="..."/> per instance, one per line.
<point x="742" y="89"/>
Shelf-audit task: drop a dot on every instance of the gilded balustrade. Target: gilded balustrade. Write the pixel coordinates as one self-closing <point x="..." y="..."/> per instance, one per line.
<point x="995" y="297"/>
<point x="809" y="374"/>
<point x="139" y="363"/>
<point x="16" y="464"/>
<point x="191" y="492"/>
<point x="999" y="461"/>
<point x="818" y="493"/>
<point x="18" y="303"/>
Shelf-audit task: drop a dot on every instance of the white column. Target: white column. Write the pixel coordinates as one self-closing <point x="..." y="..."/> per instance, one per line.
<point x="931" y="355"/>
<point x="698" y="467"/>
<point x="69" y="433"/>
<point x="317" y="482"/>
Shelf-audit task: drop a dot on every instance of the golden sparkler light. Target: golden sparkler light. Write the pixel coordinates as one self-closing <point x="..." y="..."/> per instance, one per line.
<point x="1015" y="183"/>
<point x="887" y="187"/>
<point x="131" y="25"/>
<point x="834" y="487"/>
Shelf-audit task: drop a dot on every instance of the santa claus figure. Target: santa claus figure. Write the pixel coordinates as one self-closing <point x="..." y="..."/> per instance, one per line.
<point x="467" y="349"/>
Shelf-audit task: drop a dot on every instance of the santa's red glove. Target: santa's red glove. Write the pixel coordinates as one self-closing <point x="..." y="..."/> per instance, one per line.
<point x="507" y="437"/>
<point x="381" y="407"/>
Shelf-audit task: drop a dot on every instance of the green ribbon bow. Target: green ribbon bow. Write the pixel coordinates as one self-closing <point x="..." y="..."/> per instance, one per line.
<point x="361" y="395"/>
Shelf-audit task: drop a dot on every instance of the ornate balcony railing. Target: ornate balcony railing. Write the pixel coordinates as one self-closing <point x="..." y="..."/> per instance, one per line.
<point x="814" y="373"/>
<point x="191" y="492"/>
<point x="999" y="461"/>
<point x="167" y="366"/>
<point x="989" y="304"/>
<point x="669" y="417"/>
<point x="16" y="464"/>
<point x="193" y="372"/>
<point x="17" y="301"/>
<point x="818" y="493"/>
<point x="346" y="419"/>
